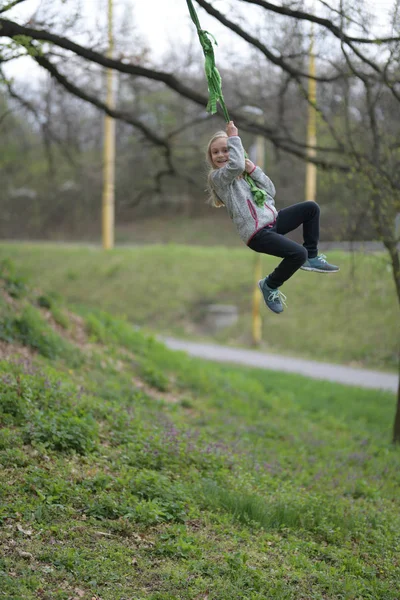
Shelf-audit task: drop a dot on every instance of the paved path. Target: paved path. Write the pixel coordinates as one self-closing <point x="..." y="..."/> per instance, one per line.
<point x="308" y="368"/>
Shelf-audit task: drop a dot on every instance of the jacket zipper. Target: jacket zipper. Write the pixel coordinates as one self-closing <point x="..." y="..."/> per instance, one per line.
<point x="273" y="214"/>
<point x="253" y="212"/>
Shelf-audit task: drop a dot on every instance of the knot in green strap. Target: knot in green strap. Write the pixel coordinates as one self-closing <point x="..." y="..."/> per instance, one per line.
<point x="259" y="196"/>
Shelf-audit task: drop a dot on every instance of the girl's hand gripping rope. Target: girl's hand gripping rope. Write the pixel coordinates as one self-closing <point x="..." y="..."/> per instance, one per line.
<point x="249" y="166"/>
<point x="231" y="129"/>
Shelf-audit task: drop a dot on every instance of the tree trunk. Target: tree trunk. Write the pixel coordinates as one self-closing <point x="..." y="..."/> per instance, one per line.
<point x="396" y="426"/>
<point x="394" y="255"/>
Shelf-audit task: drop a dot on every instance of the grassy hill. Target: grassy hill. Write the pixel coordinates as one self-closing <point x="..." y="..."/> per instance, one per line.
<point x="351" y="317"/>
<point x="129" y="471"/>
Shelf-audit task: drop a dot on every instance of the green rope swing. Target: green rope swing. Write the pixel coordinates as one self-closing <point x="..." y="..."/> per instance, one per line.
<point x="213" y="77"/>
<point x="260" y="196"/>
<point x="215" y="95"/>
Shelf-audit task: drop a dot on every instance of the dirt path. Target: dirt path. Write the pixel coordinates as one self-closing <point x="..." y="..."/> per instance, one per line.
<point x="308" y="368"/>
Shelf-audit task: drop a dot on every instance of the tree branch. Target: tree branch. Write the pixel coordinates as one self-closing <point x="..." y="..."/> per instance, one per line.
<point x="116" y="114"/>
<point x="276" y="60"/>
<point x="326" y="23"/>
<point x="48" y="135"/>
<point x="10" y="5"/>
<point x="12" y="29"/>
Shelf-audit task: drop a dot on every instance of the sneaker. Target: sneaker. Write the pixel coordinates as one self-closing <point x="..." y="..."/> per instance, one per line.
<point x="319" y="264"/>
<point x="274" y="299"/>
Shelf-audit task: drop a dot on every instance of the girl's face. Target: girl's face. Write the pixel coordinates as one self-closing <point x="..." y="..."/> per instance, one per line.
<point x="219" y="152"/>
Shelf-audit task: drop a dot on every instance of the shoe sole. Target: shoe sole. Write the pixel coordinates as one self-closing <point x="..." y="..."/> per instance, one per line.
<point x="318" y="270"/>
<point x="259" y="285"/>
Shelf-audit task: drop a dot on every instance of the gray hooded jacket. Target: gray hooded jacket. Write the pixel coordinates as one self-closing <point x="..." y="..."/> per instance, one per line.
<point x="235" y="193"/>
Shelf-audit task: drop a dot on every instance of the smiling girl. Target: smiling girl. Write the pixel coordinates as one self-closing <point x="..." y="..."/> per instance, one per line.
<point x="263" y="228"/>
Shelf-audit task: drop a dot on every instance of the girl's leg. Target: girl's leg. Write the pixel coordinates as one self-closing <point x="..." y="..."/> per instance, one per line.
<point x="268" y="241"/>
<point x="306" y="214"/>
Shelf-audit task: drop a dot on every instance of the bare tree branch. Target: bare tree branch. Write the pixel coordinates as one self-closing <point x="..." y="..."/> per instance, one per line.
<point x="12" y="29"/>
<point x="5" y="115"/>
<point x="10" y="5"/>
<point x="116" y="114"/>
<point x="276" y="60"/>
<point x="326" y="23"/>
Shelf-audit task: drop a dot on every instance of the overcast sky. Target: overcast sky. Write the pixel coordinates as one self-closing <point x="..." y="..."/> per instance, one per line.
<point x="160" y="22"/>
<point x="173" y="16"/>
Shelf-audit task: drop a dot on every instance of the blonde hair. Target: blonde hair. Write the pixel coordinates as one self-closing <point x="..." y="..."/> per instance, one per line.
<point x="213" y="198"/>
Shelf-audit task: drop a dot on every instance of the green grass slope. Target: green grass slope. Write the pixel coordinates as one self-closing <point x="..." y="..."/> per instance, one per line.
<point x="350" y="317"/>
<point x="131" y="472"/>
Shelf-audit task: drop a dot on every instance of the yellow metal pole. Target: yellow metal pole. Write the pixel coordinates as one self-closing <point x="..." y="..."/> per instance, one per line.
<point x="311" y="169"/>
<point x="256" y="325"/>
<point x="109" y="148"/>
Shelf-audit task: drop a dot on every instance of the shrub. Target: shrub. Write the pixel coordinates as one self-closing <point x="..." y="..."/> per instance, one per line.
<point x="59" y="316"/>
<point x="106" y="328"/>
<point x="171" y="496"/>
<point x="7" y="328"/>
<point x="15" y="285"/>
<point x="31" y="329"/>
<point x="45" y="301"/>
<point x="106" y="506"/>
<point x="9" y="438"/>
<point x="63" y="431"/>
<point x="97" y="329"/>
<point x="154" y="377"/>
<point x="44" y="406"/>
<point x="15" y="399"/>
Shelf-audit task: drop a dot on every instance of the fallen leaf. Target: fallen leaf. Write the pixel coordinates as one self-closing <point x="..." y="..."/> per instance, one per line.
<point x="24" y="531"/>
<point x="24" y="554"/>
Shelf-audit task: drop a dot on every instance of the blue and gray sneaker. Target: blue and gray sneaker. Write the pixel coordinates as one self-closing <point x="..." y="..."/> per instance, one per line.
<point x="319" y="264"/>
<point x="274" y="299"/>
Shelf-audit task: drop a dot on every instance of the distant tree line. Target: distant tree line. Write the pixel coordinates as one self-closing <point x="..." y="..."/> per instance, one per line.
<point x="51" y="163"/>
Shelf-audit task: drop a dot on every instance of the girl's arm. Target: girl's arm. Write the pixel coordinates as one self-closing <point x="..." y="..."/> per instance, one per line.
<point x="225" y="175"/>
<point x="260" y="177"/>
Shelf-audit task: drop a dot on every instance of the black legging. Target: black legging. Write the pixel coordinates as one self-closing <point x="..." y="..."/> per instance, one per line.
<point x="271" y="240"/>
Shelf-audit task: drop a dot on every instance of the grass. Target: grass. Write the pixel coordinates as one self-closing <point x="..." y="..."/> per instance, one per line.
<point x="205" y="230"/>
<point x="350" y="317"/>
<point x="139" y="473"/>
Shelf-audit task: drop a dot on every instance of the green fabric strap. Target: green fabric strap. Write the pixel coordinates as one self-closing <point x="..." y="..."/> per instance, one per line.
<point x="259" y="196"/>
<point x="215" y="95"/>
<point x="213" y="77"/>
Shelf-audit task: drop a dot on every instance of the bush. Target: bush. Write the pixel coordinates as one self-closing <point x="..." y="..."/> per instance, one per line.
<point x="7" y="328"/>
<point x="30" y="329"/>
<point x="63" y="431"/>
<point x="15" y="285"/>
<point x="108" y="329"/>
<point x="60" y="317"/>
<point x="171" y="496"/>
<point x="9" y="439"/>
<point x="154" y="377"/>
<point x="45" y="301"/>
<point x="43" y="405"/>
<point x="15" y="399"/>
